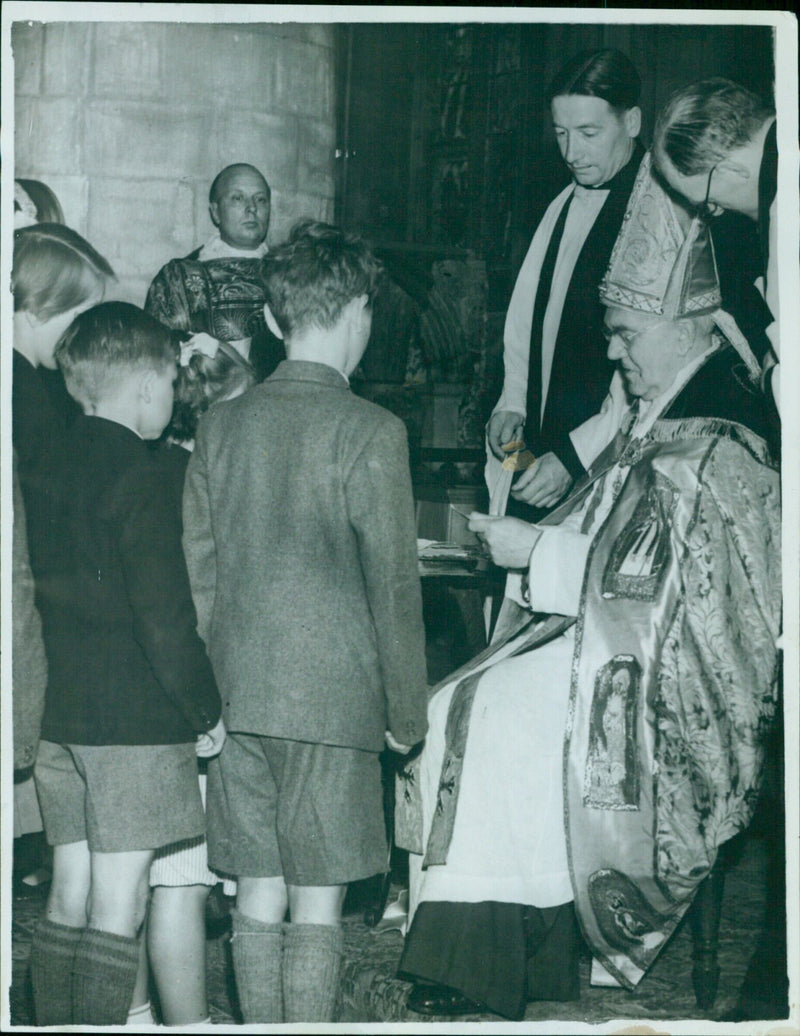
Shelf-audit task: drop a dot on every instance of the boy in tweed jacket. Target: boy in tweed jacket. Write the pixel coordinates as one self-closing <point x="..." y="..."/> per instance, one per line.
<point x="301" y="545"/>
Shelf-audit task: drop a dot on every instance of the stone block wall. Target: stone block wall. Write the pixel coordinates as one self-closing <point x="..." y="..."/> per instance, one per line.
<point x="130" y="122"/>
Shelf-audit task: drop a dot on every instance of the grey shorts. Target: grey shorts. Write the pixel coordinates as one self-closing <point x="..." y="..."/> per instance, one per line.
<point x="310" y="813"/>
<point x="119" y="798"/>
<point x="184" y="863"/>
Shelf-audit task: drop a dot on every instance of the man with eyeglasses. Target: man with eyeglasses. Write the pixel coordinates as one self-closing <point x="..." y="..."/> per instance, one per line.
<point x="715" y="144"/>
<point x="593" y="762"/>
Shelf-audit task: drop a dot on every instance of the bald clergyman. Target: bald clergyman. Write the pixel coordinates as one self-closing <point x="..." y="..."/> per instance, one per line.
<point x="217" y="289"/>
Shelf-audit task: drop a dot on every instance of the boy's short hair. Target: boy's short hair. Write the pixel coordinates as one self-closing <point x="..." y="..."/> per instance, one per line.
<point x="108" y="342"/>
<point x="312" y="277"/>
<point x="203" y="381"/>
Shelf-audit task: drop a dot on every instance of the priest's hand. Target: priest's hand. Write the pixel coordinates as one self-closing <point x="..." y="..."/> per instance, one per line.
<point x="505" y="426"/>
<point x="544" y="483"/>
<point x="508" y="540"/>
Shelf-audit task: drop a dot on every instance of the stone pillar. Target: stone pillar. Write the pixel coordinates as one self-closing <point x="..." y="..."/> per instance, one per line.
<point x="129" y="122"/>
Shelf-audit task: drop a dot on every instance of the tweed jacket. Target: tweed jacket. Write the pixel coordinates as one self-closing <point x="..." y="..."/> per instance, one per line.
<point x="300" y="540"/>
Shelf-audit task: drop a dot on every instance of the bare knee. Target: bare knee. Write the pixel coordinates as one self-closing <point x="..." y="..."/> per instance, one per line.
<point x="119" y="892"/>
<point x="316" y="904"/>
<point x="69" y="889"/>
<point x="263" y="899"/>
<point x="67" y="905"/>
<point x="179" y="897"/>
<point x="122" y="910"/>
<point x="176" y="906"/>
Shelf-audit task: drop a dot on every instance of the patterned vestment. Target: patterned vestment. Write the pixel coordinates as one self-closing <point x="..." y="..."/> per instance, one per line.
<point x="222" y="297"/>
<point x="670" y="691"/>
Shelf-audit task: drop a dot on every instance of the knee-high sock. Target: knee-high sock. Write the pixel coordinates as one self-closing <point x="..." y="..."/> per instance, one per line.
<point x="52" y="956"/>
<point x="103" y="977"/>
<point x="257" y="950"/>
<point x="312" y="965"/>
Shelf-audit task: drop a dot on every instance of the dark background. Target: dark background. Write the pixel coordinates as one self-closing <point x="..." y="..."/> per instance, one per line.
<point x="444" y="138"/>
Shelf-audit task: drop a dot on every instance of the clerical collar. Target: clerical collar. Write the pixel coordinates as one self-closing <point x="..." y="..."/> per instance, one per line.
<point x="624" y="177"/>
<point x="216" y="248"/>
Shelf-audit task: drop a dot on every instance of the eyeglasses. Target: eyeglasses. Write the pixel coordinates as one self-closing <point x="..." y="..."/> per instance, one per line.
<point x="628" y="337"/>
<point x="707" y="210"/>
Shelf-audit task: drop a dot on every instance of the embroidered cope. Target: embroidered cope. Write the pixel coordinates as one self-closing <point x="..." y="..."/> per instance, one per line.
<point x="657" y="698"/>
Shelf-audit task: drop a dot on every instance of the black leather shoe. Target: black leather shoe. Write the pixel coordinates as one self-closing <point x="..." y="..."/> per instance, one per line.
<point x="440" y="1000"/>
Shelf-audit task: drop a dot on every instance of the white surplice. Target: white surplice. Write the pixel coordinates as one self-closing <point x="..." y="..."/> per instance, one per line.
<point x="508" y="843"/>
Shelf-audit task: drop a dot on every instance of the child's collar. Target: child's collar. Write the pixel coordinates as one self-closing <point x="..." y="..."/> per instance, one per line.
<point x="118" y="421"/>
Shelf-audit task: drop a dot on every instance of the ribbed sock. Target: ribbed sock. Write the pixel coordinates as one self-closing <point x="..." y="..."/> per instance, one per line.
<point x="257" y="950"/>
<point x="141" y="1015"/>
<point x="103" y="978"/>
<point x="312" y="964"/>
<point x="52" y="955"/>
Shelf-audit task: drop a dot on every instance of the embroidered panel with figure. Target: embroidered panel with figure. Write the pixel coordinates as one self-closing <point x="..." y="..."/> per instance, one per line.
<point x="625" y="917"/>
<point x="611" y="778"/>
<point x="641" y="552"/>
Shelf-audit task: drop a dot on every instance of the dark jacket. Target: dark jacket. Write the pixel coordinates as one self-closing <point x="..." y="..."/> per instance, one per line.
<point x="38" y="429"/>
<point x="300" y="540"/>
<point x="36" y="421"/>
<point x="29" y="672"/>
<point x="126" y="665"/>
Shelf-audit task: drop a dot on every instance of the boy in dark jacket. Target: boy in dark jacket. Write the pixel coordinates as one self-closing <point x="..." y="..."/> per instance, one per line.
<point x="131" y="697"/>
